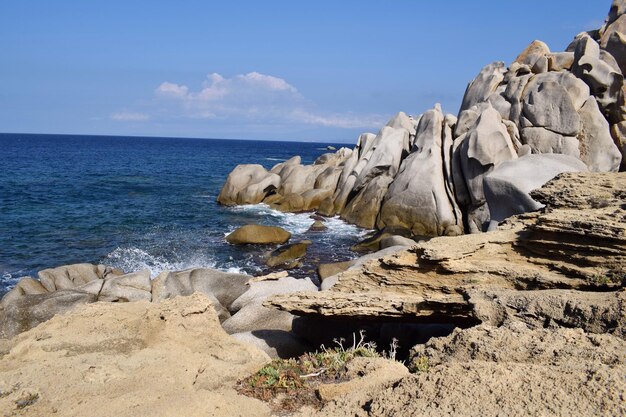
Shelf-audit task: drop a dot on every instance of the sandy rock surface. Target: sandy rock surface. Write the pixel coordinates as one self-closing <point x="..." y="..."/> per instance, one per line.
<point x="129" y="359"/>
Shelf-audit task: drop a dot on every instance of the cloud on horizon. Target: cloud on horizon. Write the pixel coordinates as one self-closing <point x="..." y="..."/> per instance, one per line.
<point x="243" y="99"/>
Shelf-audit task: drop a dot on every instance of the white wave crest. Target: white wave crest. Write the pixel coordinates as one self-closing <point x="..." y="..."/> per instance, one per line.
<point x="296" y="223"/>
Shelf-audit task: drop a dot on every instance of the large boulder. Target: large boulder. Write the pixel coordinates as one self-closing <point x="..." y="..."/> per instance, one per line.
<point x="251" y="315"/>
<point x="30" y="302"/>
<point x="258" y="234"/>
<point x="483" y="85"/>
<point x="248" y="184"/>
<point x="224" y="286"/>
<point x="363" y="208"/>
<point x="486" y="145"/>
<point x="419" y="199"/>
<point x="507" y="187"/>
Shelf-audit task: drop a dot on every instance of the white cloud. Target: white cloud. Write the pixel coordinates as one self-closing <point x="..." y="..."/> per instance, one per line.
<point x="125" y="116"/>
<point x="243" y="100"/>
<point x="172" y="90"/>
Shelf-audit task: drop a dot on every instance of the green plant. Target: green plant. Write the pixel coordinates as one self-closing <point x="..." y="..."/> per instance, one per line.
<point x="419" y="364"/>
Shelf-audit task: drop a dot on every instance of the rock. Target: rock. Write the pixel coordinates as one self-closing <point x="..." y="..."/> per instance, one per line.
<point x="418" y="198"/>
<point x="569" y="257"/>
<point x="275" y="343"/>
<point x="483" y="85"/>
<point x="257" y="234"/>
<point x="100" y="359"/>
<point x="363" y="209"/>
<point x="548" y="104"/>
<point x="366" y="375"/>
<point x="317" y="226"/>
<point x="28" y="311"/>
<point x="387" y="151"/>
<point x="25" y="286"/>
<point x="326" y="270"/>
<point x="135" y="286"/>
<point x="532" y="53"/>
<point x="254" y="316"/>
<point x="269" y="277"/>
<point x="618" y="132"/>
<point x="225" y="287"/>
<point x="507" y="187"/>
<point x="544" y="141"/>
<point x="598" y="150"/>
<point x="286" y="254"/>
<point x="248" y="184"/>
<point x="484" y="147"/>
<point x="559" y="61"/>
<point x="372" y="243"/>
<point x="259" y="291"/>
<point x="604" y="80"/>
<point x="294" y="160"/>
<point x="71" y="276"/>
<point x="250" y="315"/>
<point x="394" y="240"/>
<point x="511" y="371"/>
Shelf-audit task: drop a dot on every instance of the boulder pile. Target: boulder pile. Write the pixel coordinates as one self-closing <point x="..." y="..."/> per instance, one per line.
<point x="437" y="174"/>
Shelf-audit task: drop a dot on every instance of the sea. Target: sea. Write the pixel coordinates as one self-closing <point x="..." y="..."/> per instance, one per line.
<point x="143" y="202"/>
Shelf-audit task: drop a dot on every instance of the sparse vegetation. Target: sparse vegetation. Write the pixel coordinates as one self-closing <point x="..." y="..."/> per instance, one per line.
<point x="419" y="364"/>
<point x="609" y="278"/>
<point x="289" y="384"/>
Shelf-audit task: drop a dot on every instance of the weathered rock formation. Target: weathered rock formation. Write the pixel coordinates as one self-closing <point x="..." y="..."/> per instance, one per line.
<point x="139" y="359"/>
<point x="562" y="266"/>
<point x="428" y="174"/>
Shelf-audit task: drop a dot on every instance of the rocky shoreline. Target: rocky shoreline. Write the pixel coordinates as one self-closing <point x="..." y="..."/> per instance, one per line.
<point x="495" y="283"/>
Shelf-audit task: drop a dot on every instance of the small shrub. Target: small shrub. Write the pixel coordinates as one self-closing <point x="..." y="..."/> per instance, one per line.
<point x="419" y="364"/>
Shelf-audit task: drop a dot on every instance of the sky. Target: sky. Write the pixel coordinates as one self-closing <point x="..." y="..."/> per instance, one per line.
<point x="283" y="70"/>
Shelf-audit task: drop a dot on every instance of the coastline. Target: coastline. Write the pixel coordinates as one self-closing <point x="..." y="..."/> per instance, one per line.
<point x="493" y="284"/>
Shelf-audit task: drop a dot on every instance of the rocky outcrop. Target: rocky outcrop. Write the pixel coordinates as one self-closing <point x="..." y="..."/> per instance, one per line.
<point x="563" y="265"/>
<point x="497" y="371"/>
<point x="427" y="174"/>
<point x="139" y="358"/>
<point x="30" y="303"/>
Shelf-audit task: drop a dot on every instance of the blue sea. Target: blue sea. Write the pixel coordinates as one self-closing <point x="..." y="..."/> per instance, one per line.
<point x="141" y="202"/>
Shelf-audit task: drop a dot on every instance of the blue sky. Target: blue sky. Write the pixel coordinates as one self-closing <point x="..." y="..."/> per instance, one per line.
<point x="285" y="70"/>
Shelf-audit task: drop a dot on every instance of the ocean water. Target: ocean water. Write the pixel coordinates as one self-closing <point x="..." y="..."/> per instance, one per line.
<point x="136" y="203"/>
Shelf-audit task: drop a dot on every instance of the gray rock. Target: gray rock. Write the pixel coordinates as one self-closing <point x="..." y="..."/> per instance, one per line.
<point x="248" y="184"/>
<point x="390" y="241"/>
<point x="541" y="140"/>
<point x="484" y="147"/>
<point x="363" y="209"/>
<point x="259" y="291"/>
<point x="135" y="286"/>
<point x="71" y="276"/>
<point x="604" y="80"/>
<point x="598" y="149"/>
<point x="418" y="199"/>
<point x="548" y="104"/>
<point x="483" y="85"/>
<point x="28" y="311"/>
<point x="276" y="343"/>
<point x="225" y="287"/>
<point x="508" y="186"/>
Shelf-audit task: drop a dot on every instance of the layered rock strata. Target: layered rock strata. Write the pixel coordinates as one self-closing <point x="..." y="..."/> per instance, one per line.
<point x="562" y="266"/>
